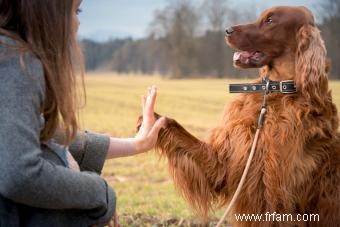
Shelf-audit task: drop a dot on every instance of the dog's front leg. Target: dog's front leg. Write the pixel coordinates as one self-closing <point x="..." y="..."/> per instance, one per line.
<point x="189" y="161"/>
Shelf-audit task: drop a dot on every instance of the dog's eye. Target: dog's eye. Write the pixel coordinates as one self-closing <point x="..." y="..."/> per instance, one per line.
<point x="78" y="11"/>
<point x="269" y="20"/>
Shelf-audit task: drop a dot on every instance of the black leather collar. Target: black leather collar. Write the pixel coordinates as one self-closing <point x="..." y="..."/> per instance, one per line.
<point x="285" y="87"/>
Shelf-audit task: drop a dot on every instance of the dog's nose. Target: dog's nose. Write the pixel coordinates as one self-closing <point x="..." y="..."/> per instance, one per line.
<point x="229" y="31"/>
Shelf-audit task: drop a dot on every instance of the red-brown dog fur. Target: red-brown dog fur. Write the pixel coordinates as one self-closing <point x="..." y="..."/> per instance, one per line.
<point x="296" y="166"/>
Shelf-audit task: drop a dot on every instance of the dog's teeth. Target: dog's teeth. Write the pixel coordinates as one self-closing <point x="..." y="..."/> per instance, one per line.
<point x="237" y="56"/>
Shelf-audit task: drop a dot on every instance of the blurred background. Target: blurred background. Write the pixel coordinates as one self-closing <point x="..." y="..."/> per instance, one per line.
<point x="182" y="38"/>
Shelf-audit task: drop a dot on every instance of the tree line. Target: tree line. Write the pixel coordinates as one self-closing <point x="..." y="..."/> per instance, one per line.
<point x="185" y="40"/>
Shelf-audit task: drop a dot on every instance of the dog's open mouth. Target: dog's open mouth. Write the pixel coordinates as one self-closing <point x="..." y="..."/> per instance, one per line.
<point x="248" y="58"/>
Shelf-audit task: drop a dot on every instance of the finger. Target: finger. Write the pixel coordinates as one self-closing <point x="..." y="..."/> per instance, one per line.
<point x="151" y="94"/>
<point x="150" y="104"/>
<point x="143" y="99"/>
<point x="160" y="123"/>
<point x="149" y="91"/>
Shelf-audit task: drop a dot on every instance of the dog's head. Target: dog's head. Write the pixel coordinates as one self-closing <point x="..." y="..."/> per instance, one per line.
<point x="273" y="34"/>
<point x="285" y="39"/>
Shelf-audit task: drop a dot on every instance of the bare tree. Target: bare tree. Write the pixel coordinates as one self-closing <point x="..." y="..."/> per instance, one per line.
<point x="178" y="24"/>
<point x="161" y="24"/>
<point x="217" y="14"/>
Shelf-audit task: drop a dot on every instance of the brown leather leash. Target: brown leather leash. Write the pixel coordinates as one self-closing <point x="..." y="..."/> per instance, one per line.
<point x="268" y="86"/>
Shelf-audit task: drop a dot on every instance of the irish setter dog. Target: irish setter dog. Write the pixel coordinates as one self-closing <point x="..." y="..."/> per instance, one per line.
<point x="296" y="166"/>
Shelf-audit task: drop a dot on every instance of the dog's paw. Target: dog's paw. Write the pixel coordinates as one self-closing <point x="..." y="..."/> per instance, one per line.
<point x="140" y="121"/>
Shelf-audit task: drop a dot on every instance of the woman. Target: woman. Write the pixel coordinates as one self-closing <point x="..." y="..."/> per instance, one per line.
<point x="40" y="147"/>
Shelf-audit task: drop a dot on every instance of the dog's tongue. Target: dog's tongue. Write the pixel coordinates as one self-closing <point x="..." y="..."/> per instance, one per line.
<point x="243" y="56"/>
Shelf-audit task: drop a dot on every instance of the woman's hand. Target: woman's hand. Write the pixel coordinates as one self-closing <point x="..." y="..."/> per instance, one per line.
<point x="146" y="137"/>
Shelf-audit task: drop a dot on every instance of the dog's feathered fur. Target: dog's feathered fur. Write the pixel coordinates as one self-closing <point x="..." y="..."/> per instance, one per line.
<point x="296" y="166"/>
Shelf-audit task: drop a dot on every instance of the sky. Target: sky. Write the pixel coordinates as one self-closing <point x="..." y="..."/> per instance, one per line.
<point x="105" y="19"/>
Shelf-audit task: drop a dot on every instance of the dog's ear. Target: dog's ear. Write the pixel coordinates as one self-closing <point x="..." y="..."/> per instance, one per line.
<point x="311" y="65"/>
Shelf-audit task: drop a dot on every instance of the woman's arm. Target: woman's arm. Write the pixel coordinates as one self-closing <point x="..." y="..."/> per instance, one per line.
<point x="91" y="149"/>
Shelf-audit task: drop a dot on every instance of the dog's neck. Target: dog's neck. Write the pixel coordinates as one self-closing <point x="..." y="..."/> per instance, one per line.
<point x="281" y="68"/>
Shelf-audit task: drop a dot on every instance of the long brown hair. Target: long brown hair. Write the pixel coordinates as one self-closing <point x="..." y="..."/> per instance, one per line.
<point x="46" y="29"/>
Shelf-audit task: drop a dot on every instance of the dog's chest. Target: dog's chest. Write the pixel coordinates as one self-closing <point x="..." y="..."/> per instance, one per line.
<point x="276" y="158"/>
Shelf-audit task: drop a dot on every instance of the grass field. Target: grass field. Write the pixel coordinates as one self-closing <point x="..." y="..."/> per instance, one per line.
<point x="142" y="182"/>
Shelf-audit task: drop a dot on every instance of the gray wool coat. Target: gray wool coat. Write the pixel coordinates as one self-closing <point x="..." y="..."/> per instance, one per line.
<point x="36" y="188"/>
